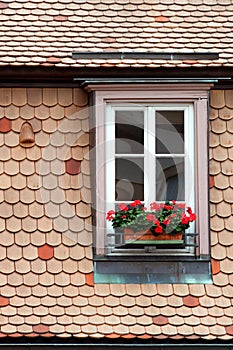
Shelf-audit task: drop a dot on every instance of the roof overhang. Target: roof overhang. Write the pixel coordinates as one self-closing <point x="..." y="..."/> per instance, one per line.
<point x="107" y="344"/>
<point x="38" y="76"/>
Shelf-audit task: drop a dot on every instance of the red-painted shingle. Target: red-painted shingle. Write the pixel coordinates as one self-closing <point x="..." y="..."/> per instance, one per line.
<point x="229" y="330"/>
<point x="40" y="328"/>
<point x="160" y="320"/>
<point x="162" y="19"/>
<point x="5" y="124"/>
<point x="73" y="166"/>
<point x="215" y="264"/>
<point x="191" y="301"/>
<point x="45" y="252"/>
<point x="90" y="279"/>
<point x="211" y="181"/>
<point x="4" y="301"/>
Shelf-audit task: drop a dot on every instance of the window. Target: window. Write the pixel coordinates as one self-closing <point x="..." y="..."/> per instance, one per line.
<point x="150" y="157"/>
<point x="151" y="145"/>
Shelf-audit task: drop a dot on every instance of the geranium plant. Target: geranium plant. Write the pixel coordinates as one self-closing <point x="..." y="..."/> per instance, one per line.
<point x="169" y="217"/>
<point x="129" y="215"/>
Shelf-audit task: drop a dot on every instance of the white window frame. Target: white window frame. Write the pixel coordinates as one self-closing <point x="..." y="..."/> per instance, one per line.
<point x="192" y="94"/>
<point x="149" y="144"/>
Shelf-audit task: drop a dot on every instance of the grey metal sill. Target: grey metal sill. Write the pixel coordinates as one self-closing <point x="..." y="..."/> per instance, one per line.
<point x="152" y="272"/>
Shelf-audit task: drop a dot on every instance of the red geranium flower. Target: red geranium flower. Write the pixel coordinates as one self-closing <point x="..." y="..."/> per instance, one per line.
<point x="150" y="217"/>
<point x="154" y="206"/>
<point x="158" y="229"/>
<point x="192" y="217"/>
<point x="189" y="210"/>
<point x="135" y="203"/>
<point x="166" y="222"/>
<point x="110" y="215"/>
<point x="184" y="219"/>
<point x="156" y="222"/>
<point x="123" y="206"/>
<point x="168" y="207"/>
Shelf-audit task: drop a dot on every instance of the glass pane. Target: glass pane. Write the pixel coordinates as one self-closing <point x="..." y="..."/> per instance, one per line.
<point x="129" y="132"/>
<point x="170" y="179"/>
<point x="129" y="179"/>
<point x="169" y="132"/>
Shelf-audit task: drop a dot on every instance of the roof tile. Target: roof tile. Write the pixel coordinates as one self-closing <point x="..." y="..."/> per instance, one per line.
<point x="216" y="195"/>
<point x="160" y="320"/>
<point x="133" y="290"/>
<point x="218" y="126"/>
<point x="18" y="153"/>
<point x="11" y="167"/>
<point x="191" y="301"/>
<point x="73" y="166"/>
<point x="213" y="113"/>
<point x="40" y="328"/>
<point x="112" y="301"/>
<point x="220" y="279"/>
<point x="223" y="209"/>
<point x="5" y="153"/>
<point x="19" y="96"/>
<point x="226" y="139"/>
<point x="71" y="266"/>
<point x="218" y="252"/>
<point x="226" y="265"/>
<point x="5" y="125"/>
<point x="90" y="279"/>
<point x="228" y="223"/>
<point x="78" y="279"/>
<point x="229" y="98"/>
<point x="50" y="97"/>
<point x="229" y="329"/>
<point x="11" y="111"/>
<point x="165" y="289"/>
<point x="221" y="181"/>
<point x="225" y="113"/>
<point x="4" y="301"/>
<point x="215" y="266"/>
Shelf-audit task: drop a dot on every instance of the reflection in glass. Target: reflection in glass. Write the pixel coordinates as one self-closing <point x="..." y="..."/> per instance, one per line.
<point x="170" y="179"/>
<point x="129" y="132"/>
<point x="169" y="132"/>
<point x="129" y="179"/>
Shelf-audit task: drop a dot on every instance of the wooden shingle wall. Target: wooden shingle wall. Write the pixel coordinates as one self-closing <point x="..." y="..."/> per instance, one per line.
<point x="46" y="267"/>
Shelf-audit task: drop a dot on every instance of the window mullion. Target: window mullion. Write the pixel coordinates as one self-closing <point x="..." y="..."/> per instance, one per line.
<point x="110" y="157"/>
<point x="150" y="185"/>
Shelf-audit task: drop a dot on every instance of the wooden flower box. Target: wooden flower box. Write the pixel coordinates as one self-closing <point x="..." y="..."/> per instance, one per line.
<point x="147" y="237"/>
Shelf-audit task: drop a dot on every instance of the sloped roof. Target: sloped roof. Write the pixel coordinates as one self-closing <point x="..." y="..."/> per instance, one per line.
<point x="46" y="265"/>
<point x="45" y="33"/>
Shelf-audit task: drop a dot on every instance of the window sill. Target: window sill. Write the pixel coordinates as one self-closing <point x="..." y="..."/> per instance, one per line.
<point x="159" y="271"/>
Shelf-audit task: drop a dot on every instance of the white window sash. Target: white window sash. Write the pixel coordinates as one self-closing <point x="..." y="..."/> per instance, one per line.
<point x="149" y="153"/>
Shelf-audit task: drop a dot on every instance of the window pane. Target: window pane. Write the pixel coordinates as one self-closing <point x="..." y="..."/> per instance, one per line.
<point x="129" y="132"/>
<point x="170" y="179"/>
<point x="129" y="179"/>
<point x="169" y="132"/>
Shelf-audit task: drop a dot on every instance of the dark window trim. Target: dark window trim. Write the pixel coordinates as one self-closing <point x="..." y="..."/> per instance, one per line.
<point x="83" y="55"/>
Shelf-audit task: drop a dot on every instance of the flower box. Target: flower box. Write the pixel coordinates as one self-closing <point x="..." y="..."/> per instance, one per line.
<point x="164" y="223"/>
<point x="146" y="236"/>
